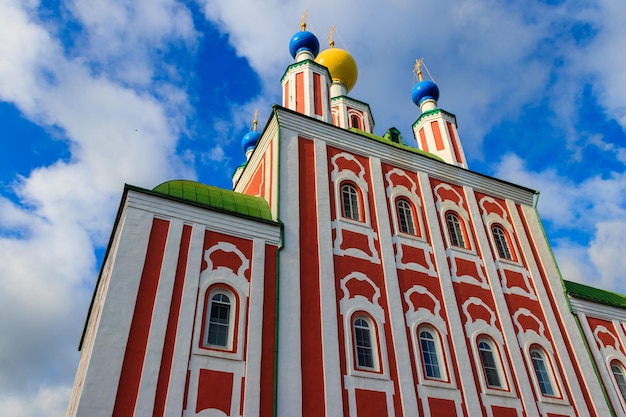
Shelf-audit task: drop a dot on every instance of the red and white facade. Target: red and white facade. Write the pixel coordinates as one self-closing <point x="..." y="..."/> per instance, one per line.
<point x="391" y="283"/>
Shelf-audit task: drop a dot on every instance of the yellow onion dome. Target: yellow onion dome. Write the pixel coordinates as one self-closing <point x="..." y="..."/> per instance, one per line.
<point x="341" y="65"/>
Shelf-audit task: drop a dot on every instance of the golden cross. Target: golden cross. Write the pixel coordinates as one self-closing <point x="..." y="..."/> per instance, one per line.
<point x="418" y="68"/>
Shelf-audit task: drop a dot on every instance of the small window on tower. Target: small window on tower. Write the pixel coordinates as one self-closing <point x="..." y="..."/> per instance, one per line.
<point x="355" y="122"/>
<point x="405" y="216"/>
<point x="455" y="230"/>
<point x="350" y="202"/>
<point x="501" y="241"/>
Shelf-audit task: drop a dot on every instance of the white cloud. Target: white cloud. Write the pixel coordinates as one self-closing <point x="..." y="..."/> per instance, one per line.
<point x="595" y="208"/>
<point x="120" y="126"/>
<point x="49" y="402"/>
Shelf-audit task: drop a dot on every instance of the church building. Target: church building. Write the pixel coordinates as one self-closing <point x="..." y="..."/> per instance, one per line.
<point x="346" y="274"/>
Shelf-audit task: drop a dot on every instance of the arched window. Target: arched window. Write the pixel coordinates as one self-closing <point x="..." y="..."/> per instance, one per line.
<point x="489" y="363"/>
<point x="620" y="379"/>
<point x="542" y="370"/>
<point x="405" y="216"/>
<point x="350" y="202"/>
<point x="502" y="244"/>
<point x="430" y="356"/>
<point x="355" y="122"/>
<point x="363" y="344"/>
<point x="218" y="320"/>
<point x="455" y="229"/>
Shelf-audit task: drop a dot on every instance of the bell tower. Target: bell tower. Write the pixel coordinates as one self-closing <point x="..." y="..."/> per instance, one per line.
<point x="306" y="84"/>
<point x="435" y="130"/>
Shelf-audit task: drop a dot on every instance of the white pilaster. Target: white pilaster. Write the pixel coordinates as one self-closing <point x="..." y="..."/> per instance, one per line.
<point x="394" y="294"/>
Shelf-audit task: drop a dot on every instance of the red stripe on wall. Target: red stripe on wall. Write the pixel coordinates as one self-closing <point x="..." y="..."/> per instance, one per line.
<point x="313" y="404"/>
<point x="300" y="92"/>
<point x="269" y="334"/>
<point x="317" y="94"/>
<point x="437" y="134"/>
<point x="455" y="143"/>
<point x="423" y="140"/>
<point x="172" y="325"/>
<point x="286" y="95"/>
<point x="134" y="356"/>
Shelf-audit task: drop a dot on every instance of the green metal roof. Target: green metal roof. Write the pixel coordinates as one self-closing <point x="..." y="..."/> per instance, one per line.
<point x="394" y="144"/>
<point x="217" y="198"/>
<point x="595" y="295"/>
<point x="434" y="111"/>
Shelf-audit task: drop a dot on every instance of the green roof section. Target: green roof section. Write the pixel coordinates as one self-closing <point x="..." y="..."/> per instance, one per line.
<point x="596" y="295"/>
<point x="394" y="144"/>
<point x="217" y="198"/>
<point x="434" y="111"/>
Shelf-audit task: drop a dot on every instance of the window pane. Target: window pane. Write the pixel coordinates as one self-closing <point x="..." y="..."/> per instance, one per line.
<point x="501" y="243"/>
<point x="363" y="343"/>
<point x="350" y="200"/>
<point x="543" y="377"/>
<point x="456" y="233"/>
<point x="429" y="355"/>
<point x="405" y="217"/>
<point x="489" y="365"/>
<point x="219" y="317"/>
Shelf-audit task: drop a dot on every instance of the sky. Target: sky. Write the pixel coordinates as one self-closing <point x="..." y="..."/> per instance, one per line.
<point x="98" y="93"/>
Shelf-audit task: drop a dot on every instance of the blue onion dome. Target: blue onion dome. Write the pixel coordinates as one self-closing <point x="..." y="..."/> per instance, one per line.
<point x="304" y="40"/>
<point x="250" y="140"/>
<point x="424" y="90"/>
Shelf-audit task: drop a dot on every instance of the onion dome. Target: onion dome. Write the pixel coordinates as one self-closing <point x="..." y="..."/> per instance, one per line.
<point x="340" y="64"/>
<point x="251" y="138"/>
<point x="304" y="41"/>
<point x="424" y="89"/>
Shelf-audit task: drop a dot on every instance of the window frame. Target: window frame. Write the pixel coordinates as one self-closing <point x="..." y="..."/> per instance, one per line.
<point x="497" y="366"/>
<point x="502" y="243"/>
<point x="233" y="317"/>
<point x="355" y="200"/>
<point x="435" y="341"/>
<point x="457" y="237"/>
<point x="406" y="213"/>
<point x="374" y="348"/>
<point x="353" y="118"/>
<point x="547" y="372"/>
<point x="621" y="387"/>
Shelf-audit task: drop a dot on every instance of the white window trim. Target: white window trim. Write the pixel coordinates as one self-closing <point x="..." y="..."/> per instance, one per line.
<point x="423" y="317"/>
<point x="217" y="277"/>
<point x="480" y="328"/>
<point x="354" y="304"/>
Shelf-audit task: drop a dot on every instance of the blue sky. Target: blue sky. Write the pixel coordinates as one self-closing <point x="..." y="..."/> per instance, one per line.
<point x="95" y="94"/>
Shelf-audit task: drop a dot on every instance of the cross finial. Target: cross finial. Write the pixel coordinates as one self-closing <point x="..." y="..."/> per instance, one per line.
<point x="418" y="68"/>
<point x="302" y="22"/>
<point x="331" y="42"/>
<point x="254" y="122"/>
